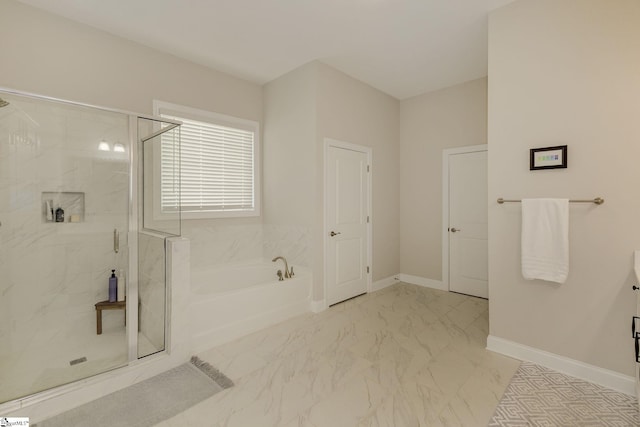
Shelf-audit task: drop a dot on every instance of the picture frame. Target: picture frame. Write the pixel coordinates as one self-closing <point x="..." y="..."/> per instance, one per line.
<point x="548" y="158"/>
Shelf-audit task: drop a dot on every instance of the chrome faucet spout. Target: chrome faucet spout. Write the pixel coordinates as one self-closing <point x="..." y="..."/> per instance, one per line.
<point x="287" y="273"/>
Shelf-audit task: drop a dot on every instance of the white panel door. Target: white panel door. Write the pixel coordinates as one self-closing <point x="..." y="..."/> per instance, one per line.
<point x="637" y="345"/>
<point x="347" y="203"/>
<point x="468" y="245"/>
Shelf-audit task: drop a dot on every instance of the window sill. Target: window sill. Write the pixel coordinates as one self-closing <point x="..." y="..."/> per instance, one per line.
<point x="207" y="215"/>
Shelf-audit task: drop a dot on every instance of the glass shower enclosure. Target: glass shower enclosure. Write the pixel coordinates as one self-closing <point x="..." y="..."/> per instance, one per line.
<point x="158" y="180"/>
<point x="69" y="221"/>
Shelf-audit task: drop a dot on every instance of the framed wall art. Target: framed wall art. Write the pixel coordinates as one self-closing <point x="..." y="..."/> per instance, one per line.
<point x="548" y="158"/>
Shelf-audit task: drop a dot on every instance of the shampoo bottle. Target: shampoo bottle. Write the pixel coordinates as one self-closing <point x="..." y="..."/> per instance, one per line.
<point x="121" y="285"/>
<point x="49" y="209"/>
<point x="59" y="215"/>
<point x="113" y="287"/>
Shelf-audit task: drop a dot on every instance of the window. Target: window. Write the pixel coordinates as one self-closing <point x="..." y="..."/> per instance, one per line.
<point x="218" y="162"/>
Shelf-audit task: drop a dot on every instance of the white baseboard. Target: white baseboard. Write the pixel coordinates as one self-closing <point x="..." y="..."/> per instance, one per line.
<point x="384" y="283"/>
<point x="611" y="379"/>
<point x="423" y="281"/>
<point x="318" y="306"/>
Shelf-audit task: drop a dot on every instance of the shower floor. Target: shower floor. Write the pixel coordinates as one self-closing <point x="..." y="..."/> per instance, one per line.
<point x="34" y="371"/>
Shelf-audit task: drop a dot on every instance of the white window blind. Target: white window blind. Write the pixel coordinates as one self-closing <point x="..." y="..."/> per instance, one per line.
<point x="217" y="169"/>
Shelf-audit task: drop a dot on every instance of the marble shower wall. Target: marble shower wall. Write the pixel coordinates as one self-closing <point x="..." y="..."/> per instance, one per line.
<point x="217" y="245"/>
<point x="52" y="274"/>
<point x="151" y="288"/>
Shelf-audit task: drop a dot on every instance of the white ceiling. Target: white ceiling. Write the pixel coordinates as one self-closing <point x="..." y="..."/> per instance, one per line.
<point x="401" y="47"/>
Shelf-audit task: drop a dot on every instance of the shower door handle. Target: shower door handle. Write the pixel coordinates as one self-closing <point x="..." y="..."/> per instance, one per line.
<point x="116" y="241"/>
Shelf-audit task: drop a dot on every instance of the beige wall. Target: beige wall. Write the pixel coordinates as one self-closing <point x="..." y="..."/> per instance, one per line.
<point x="289" y="175"/>
<point x="430" y="123"/>
<point x="49" y="55"/>
<point x="560" y="73"/>
<point x="303" y="108"/>
<point x="289" y="138"/>
<point x="53" y="56"/>
<point x="351" y="111"/>
<point x="567" y="72"/>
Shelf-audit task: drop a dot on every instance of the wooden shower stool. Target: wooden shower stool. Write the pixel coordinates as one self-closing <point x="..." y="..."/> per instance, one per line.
<point x="106" y="305"/>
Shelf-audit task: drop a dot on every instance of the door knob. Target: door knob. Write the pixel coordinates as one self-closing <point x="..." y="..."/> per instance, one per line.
<point x="333" y="233"/>
<point x="455" y="230"/>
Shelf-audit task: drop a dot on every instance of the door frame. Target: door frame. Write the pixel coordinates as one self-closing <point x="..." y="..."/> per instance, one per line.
<point x="445" y="203"/>
<point x="328" y="143"/>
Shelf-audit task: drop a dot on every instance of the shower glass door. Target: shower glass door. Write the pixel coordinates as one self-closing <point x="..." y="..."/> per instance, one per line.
<point x="159" y="218"/>
<point x="64" y="221"/>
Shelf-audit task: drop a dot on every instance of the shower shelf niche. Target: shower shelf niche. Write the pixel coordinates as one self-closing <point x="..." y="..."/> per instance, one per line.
<point x="71" y="202"/>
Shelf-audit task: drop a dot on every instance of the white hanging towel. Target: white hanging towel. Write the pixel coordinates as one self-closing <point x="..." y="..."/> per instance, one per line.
<point x="545" y="239"/>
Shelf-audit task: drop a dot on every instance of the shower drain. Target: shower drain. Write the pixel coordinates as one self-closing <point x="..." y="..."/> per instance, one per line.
<point x="76" y="361"/>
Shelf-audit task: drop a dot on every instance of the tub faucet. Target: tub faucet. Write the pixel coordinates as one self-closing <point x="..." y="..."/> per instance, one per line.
<point x="287" y="273"/>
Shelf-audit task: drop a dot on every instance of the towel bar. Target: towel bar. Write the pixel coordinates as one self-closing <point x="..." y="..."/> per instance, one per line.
<point x="597" y="201"/>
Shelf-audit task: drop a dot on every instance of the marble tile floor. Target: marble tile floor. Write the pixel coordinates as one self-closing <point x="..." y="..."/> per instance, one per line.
<point x="37" y="369"/>
<point x="402" y="356"/>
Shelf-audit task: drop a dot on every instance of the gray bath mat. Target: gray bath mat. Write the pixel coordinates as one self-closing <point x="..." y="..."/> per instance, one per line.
<point x="538" y="396"/>
<point x="148" y="402"/>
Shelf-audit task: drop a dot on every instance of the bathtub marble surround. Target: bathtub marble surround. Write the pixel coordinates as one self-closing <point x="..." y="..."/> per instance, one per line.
<point x="402" y="356"/>
<point x="293" y="242"/>
<point x="228" y="303"/>
<point x="234" y="287"/>
<point x="220" y="244"/>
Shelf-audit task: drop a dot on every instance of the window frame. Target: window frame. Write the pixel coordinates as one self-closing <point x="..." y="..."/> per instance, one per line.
<point x="176" y="110"/>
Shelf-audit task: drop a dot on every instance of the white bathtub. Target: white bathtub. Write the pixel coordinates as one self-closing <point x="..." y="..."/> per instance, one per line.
<point x="227" y="303"/>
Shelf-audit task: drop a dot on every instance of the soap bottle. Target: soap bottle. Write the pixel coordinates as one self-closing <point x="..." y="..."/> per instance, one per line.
<point x="113" y="287"/>
<point x="59" y="215"/>
<point x="121" y="285"/>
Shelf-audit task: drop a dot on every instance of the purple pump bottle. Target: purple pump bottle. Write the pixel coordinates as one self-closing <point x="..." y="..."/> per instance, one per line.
<point x="113" y="287"/>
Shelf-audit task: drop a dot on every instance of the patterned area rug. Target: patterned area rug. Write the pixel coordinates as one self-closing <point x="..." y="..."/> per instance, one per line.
<point x="538" y="396"/>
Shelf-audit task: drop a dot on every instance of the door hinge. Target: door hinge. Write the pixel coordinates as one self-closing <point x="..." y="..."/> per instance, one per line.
<point x="367" y="168"/>
<point x="367" y="269"/>
<point x="367" y="218"/>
